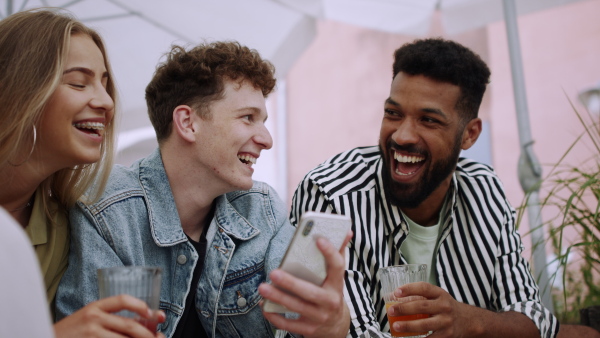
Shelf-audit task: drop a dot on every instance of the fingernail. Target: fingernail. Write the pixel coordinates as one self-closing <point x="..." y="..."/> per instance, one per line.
<point x="275" y="275"/>
<point x="398" y="292"/>
<point x="263" y="289"/>
<point x="391" y="311"/>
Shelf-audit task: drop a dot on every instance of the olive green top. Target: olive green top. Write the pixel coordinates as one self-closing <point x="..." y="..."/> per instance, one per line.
<point x="51" y="243"/>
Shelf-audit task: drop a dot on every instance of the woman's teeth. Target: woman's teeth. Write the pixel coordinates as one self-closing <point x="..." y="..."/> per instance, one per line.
<point x="90" y="125"/>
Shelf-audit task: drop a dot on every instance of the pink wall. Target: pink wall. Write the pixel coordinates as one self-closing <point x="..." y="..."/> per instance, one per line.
<point x="337" y="88"/>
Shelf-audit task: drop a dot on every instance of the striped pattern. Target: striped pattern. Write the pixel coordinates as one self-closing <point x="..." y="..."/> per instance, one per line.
<point x="478" y="257"/>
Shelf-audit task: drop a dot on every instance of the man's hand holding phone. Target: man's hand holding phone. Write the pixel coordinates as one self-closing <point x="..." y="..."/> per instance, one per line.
<point x="322" y="309"/>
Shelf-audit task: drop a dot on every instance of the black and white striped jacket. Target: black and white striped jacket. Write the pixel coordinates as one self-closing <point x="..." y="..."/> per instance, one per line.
<point x="479" y="258"/>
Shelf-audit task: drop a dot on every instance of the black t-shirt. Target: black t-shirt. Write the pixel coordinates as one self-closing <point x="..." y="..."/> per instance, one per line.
<point x="189" y="325"/>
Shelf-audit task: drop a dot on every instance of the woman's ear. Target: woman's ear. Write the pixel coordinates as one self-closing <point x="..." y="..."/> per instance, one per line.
<point x="471" y="133"/>
<point x="184" y="123"/>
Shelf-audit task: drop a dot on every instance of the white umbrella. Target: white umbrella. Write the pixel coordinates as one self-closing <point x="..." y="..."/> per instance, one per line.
<point x="412" y="17"/>
<point x="138" y="32"/>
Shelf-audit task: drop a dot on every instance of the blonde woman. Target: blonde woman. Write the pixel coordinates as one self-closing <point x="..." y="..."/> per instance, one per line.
<point x="57" y="108"/>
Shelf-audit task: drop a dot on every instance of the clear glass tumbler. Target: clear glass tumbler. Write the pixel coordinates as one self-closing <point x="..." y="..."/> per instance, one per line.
<point x="391" y="278"/>
<point x="142" y="282"/>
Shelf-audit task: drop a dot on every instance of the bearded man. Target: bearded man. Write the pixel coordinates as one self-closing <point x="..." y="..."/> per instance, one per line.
<point x="414" y="200"/>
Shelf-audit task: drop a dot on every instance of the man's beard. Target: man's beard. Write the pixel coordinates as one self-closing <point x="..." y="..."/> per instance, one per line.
<point x="411" y="195"/>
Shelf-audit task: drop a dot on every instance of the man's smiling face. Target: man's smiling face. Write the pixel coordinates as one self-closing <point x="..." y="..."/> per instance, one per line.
<point x="420" y="139"/>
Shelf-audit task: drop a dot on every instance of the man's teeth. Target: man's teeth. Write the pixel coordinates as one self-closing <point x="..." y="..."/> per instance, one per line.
<point x="403" y="174"/>
<point x="247" y="158"/>
<point x="90" y="125"/>
<point x="407" y="159"/>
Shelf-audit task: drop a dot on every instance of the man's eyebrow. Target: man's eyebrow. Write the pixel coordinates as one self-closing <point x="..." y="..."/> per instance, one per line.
<point x="392" y="102"/>
<point x="426" y="110"/>
<point x="434" y="111"/>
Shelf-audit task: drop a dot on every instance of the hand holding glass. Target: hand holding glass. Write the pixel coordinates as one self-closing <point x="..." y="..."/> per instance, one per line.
<point x="391" y="278"/>
<point x="138" y="281"/>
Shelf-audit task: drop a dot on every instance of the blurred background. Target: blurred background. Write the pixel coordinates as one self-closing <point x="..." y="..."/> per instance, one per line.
<point x="334" y="59"/>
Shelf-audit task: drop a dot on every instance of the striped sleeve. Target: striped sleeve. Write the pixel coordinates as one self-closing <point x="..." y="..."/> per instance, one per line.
<point x="499" y="245"/>
<point x="338" y="187"/>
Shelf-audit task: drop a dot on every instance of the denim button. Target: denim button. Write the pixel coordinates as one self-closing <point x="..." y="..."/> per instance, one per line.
<point x="181" y="259"/>
<point x="241" y="302"/>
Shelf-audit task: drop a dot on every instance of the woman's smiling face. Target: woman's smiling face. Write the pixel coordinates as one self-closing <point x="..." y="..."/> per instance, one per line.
<point x="72" y="125"/>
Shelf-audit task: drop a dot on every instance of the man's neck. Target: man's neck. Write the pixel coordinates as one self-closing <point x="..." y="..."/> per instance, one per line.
<point x="193" y="197"/>
<point x="428" y="212"/>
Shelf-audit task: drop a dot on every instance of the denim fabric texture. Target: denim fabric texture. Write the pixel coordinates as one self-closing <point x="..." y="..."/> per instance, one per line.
<point x="136" y="223"/>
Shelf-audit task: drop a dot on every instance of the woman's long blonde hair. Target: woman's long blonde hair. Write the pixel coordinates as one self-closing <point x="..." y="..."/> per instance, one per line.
<point x="33" y="49"/>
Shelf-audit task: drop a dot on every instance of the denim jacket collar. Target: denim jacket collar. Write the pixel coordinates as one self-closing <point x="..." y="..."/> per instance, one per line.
<point x="165" y="224"/>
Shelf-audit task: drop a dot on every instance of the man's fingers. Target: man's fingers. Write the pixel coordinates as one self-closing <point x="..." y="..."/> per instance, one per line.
<point x="421" y="326"/>
<point x="291" y="302"/>
<point x="418" y="289"/>
<point x="334" y="260"/>
<point x="349" y="236"/>
<point x="411" y="306"/>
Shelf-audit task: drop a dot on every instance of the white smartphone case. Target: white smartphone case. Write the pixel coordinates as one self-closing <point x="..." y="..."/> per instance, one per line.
<point x="303" y="259"/>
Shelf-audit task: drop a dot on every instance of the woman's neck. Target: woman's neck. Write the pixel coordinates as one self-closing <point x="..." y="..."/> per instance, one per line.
<point x="18" y="191"/>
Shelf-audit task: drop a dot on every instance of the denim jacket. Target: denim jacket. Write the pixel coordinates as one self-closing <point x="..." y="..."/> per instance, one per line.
<point x="136" y="223"/>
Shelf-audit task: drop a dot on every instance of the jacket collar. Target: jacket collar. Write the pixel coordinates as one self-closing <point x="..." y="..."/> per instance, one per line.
<point x="165" y="224"/>
<point x="231" y="221"/>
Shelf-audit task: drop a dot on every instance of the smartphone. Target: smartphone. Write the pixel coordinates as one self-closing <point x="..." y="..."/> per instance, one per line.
<point x="303" y="259"/>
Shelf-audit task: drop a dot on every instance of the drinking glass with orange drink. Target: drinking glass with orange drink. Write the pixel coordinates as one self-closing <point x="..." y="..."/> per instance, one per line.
<point x="391" y="278"/>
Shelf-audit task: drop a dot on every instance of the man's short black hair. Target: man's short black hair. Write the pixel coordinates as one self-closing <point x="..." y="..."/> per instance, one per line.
<point x="446" y="61"/>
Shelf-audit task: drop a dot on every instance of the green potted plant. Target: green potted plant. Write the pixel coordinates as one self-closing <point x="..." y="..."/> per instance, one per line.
<point x="571" y="202"/>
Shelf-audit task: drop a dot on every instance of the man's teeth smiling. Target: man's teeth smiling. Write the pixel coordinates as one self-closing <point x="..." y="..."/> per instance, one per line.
<point x="247" y="159"/>
<point x="407" y="164"/>
<point x="407" y="159"/>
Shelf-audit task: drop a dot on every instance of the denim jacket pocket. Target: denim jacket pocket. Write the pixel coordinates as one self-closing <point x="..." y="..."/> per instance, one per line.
<point x="240" y="290"/>
<point x="240" y="297"/>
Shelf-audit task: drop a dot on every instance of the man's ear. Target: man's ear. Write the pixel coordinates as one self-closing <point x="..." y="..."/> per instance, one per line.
<point x="184" y="122"/>
<point x="471" y="133"/>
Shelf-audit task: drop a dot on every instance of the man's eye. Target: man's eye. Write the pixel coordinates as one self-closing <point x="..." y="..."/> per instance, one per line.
<point x="247" y="117"/>
<point x="390" y="112"/>
<point x="430" y="120"/>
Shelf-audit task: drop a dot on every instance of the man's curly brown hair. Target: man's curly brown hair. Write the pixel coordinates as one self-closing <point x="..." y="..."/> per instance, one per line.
<point x="196" y="78"/>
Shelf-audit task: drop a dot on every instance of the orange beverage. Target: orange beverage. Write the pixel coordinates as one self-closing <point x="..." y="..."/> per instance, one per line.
<point x="393" y="319"/>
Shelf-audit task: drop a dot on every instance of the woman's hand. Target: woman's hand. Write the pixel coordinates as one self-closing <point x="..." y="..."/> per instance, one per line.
<point x="97" y="319"/>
